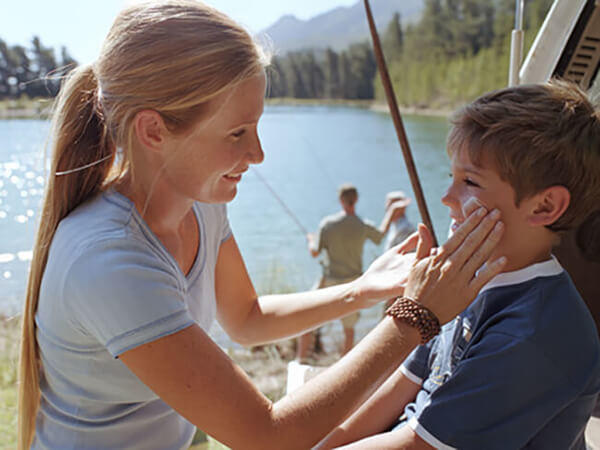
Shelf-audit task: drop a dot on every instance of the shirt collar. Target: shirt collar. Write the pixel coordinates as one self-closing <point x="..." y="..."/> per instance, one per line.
<point x="547" y="268"/>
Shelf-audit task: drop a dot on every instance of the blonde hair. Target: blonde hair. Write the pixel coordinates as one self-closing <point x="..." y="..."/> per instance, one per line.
<point x="536" y="136"/>
<point x="172" y="57"/>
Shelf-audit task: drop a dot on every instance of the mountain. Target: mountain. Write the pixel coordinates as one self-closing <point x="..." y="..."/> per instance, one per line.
<point x="339" y="27"/>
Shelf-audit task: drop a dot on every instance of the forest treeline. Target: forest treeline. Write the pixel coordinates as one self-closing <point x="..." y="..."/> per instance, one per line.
<point x="458" y="50"/>
<point x="33" y="71"/>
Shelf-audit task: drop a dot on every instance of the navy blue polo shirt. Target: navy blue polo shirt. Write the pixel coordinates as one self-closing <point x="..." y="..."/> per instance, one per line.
<point x="519" y="368"/>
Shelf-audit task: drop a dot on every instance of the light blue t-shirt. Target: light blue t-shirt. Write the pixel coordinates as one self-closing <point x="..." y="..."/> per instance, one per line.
<point x="110" y="286"/>
<point x="519" y="368"/>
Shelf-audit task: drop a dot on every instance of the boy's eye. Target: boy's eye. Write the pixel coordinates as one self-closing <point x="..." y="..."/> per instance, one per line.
<point x="470" y="182"/>
<point x="238" y="133"/>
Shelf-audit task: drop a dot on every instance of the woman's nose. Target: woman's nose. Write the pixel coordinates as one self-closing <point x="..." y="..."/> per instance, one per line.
<point x="255" y="152"/>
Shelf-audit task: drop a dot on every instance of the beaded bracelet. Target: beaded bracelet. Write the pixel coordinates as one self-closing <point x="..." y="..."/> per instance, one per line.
<point x="411" y="312"/>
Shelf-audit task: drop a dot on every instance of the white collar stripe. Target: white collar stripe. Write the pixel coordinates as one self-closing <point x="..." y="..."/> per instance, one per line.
<point x="544" y="269"/>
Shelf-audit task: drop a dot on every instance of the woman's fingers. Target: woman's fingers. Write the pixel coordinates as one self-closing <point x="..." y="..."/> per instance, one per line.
<point x="486" y="273"/>
<point x="463" y="231"/>
<point x="425" y="242"/>
<point x="483" y="252"/>
<point x="470" y="206"/>
<point x="472" y="243"/>
<point x="409" y="244"/>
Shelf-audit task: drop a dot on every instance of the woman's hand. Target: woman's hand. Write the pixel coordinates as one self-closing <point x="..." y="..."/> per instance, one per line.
<point x="448" y="278"/>
<point x="386" y="277"/>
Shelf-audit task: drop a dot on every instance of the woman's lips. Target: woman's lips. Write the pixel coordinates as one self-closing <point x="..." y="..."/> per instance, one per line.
<point x="233" y="178"/>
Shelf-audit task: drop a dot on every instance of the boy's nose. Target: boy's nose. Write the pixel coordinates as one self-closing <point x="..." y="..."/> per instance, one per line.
<point x="449" y="199"/>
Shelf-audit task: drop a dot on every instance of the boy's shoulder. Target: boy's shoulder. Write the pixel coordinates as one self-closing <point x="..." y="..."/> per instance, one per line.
<point x="543" y="312"/>
<point x="526" y="302"/>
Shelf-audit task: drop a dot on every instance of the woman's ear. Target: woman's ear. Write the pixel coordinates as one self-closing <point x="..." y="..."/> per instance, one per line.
<point x="150" y="129"/>
<point x="548" y="206"/>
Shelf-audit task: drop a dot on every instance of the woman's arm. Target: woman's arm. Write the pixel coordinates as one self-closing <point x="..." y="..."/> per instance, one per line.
<point x="190" y="373"/>
<point x="251" y="320"/>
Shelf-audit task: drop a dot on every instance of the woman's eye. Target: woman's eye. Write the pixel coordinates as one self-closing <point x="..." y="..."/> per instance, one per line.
<point x="238" y="134"/>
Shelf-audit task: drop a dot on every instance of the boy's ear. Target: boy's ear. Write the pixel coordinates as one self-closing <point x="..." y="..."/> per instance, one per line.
<point x="548" y="206"/>
<point x="150" y="129"/>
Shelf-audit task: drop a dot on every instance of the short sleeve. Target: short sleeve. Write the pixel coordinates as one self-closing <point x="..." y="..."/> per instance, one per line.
<point x="124" y="295"/>
<point x="498" y="397"/>
<point x="321" y="236"/>
<point x="415" y="367"/>
<point x="372" y="232"/>
<point x="225" y="228"/>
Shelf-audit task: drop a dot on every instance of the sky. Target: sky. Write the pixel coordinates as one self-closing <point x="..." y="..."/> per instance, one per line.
<point x="81" y="25"/>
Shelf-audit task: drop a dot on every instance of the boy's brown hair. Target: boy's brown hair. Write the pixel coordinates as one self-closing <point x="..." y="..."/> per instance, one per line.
<point x="536" y="136"/>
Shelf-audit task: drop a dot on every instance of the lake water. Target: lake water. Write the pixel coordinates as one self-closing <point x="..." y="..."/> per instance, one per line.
<point x="309" y="152"/>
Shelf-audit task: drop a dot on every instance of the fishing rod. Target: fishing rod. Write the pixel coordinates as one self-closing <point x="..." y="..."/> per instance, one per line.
<point x="281" y="202"/>
<point x="398" y="124"/>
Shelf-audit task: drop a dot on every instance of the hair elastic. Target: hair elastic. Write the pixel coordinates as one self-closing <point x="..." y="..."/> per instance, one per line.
<point x="87" y="166"/>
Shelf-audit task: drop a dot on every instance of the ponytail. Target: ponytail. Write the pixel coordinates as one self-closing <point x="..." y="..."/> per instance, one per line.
<point x="79" y="139"/>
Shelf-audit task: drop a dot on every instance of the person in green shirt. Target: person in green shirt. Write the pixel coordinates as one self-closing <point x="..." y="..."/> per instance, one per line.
<point x="341" y="237"/>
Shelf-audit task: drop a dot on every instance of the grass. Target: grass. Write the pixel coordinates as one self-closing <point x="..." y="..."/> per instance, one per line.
<point x="9" y="338"/>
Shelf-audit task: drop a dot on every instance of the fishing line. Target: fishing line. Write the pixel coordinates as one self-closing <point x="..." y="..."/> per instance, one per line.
<point x="319" y="162"/>
<point x="281" y="202"/>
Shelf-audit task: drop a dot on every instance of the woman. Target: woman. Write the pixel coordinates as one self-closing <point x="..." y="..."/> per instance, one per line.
<point x="134" y="257"/>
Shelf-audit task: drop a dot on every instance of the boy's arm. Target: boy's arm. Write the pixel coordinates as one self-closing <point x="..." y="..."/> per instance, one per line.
<point x="377" y="414"/>
<point x="404" y="438"/>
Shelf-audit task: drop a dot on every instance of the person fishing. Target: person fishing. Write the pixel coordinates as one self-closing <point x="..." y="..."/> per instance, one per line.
<point x="134" y="258"/>
<point x="342" y="236"/>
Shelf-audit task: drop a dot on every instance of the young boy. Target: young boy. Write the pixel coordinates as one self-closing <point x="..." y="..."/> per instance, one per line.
<point x="520" y="367"/>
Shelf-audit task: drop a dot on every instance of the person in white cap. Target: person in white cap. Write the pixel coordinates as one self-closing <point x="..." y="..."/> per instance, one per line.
<point x="400" y="227"/>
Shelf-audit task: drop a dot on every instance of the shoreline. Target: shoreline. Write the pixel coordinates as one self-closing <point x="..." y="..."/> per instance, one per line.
<point x="40" y="109"/>
<point x="373" y="105"/>
<point x="413" y="110"/>
<point x="26" y="108"/>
